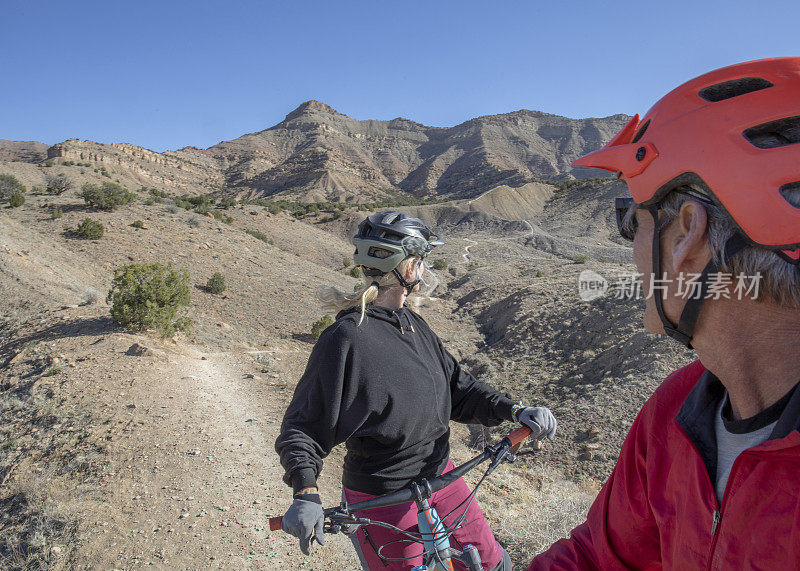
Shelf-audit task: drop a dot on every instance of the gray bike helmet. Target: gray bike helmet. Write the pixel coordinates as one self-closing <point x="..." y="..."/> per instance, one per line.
<point x="387" y="238"/>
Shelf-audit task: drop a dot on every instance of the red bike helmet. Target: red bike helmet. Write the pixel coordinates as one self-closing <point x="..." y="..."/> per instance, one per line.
<point x="734" y="132"/>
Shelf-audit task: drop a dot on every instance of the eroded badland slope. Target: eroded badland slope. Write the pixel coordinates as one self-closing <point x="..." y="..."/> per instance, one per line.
<point x="121" y="450"/>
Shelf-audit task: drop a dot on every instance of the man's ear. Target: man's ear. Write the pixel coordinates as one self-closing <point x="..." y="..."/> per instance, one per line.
<point x="689" y="243"/>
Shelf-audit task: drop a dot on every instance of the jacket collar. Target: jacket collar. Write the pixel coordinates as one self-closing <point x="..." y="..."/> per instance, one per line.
<point x="696" y="417"/>
<point x="399" y="317"/>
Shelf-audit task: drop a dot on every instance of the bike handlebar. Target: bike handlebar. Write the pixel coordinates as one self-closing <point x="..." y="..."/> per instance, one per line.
<point x="407" y="494"/>
<point x="519" y="435"/>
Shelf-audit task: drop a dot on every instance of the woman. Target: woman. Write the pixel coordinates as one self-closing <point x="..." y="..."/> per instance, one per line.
<point x="381" y="381"/>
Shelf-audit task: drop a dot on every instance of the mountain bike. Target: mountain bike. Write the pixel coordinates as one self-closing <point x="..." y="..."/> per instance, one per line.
<point x="433" y="534"/>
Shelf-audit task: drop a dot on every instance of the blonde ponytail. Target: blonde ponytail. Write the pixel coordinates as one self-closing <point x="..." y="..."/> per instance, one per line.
<point x="335" y="300"/>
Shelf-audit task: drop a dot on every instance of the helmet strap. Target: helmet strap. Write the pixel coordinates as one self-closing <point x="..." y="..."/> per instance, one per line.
<point x="409" y="285"/>
<point x="684" y="331"/>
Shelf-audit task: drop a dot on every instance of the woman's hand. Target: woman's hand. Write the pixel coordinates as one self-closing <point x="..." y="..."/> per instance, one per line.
<point x="305" y="520"/>
<point x="540" y="420"/>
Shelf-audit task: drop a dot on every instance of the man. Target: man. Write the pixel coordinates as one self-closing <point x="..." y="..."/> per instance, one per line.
<point x="708" y="475"/>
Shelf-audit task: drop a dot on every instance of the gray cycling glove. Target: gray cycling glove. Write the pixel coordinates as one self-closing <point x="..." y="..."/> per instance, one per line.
<point x="305" y="520"/>
<point x="540" y="420"/>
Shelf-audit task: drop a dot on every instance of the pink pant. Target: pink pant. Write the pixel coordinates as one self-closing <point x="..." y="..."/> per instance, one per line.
<point x="475" y="530"/>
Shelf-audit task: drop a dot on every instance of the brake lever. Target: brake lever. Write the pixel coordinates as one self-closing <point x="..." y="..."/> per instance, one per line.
<point x="337" y="519"/>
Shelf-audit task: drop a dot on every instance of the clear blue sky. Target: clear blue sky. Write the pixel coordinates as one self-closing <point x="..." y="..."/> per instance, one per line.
<point x="168" y="74"/>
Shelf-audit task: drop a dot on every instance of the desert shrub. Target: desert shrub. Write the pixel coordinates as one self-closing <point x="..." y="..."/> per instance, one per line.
<point x="155" y="193"/>
<point x="581" y="259"/>
<point x="183" y="203"/>
<point x="58" y="184"/>
<point x="90" y="296"/>
<point x="273" y="208"/>
<point x="201" y="204"/>
<point x="138" y="224"/>
<point x="226" y="202"/>
<point x="52" y="370"/>
<point x="90" y="229"/>
<point x="216" y="283"/>
<point x="150" y="201"/>
<point x="578" y="184"/>
<point x="439" y="264"/>
<point x="480" y="365"/>
<point x="56" y="213"/>
<point x="355" y="272"/>
<point x="194" y="222"/>
<point x="9" y="185"/>
<point x="107" y="196"/>
<point x="16" y="200"/>
<point x="221" y="216"/>
<point x="260" y="236"/>
<point x="346" y="262"/>
<point x="538" y="273"/>
<point x="150" y="296"/>
<point x="320" y="326"/>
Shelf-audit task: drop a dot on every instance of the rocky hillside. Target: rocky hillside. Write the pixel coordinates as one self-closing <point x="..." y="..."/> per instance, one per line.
<point x="318" y="154"/>
<point x="120" y="450"/>
<point x="28" y="151"/>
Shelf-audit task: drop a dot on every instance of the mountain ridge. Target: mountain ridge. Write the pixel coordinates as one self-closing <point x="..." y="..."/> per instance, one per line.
<point x="319" y="154"/>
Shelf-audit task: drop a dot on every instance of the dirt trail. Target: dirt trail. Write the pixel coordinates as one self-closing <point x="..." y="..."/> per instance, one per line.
<point x="194" y="475"/>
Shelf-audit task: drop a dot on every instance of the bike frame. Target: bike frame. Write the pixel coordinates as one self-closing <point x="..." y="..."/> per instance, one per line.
<point x="436" y="543"/>
<point x="435" y="537"/>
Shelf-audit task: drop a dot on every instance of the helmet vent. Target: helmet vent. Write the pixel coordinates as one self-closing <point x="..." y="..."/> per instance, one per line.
<point x="391" y="235"/>
<point x="791" y="192"/>
<point x="775" y="133"/>
<point x="733" y="88"/>
<point x="380" y="253"/>
<point x="640" y="132"/>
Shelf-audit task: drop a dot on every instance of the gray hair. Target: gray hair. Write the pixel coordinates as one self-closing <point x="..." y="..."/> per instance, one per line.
<point x="780" y="280"/>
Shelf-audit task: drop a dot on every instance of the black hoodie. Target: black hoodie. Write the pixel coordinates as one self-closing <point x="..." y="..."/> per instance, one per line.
<point x="386" y="388"/>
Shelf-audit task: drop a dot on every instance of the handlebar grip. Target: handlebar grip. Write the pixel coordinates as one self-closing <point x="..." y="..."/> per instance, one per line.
<point x="519" y="435"/>
<point x="275" y="523"/>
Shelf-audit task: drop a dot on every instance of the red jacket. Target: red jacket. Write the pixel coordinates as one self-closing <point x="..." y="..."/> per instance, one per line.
<point x="658" y="508"/>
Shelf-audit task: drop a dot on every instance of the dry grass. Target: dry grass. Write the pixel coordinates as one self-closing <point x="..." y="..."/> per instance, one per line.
<point x="42" y="467"/>
<point x="530" y="514"/>
<point x="528" y="510"/>
<point x="35" y="530"/>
